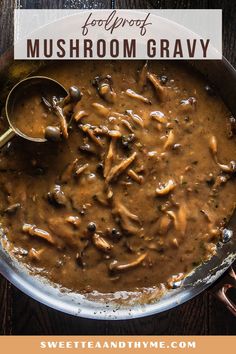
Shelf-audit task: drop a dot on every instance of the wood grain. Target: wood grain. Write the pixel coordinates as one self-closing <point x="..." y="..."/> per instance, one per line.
<point x="19" y="314"/>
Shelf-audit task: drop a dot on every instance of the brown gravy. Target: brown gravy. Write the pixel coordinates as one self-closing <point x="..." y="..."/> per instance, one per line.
<point x="29" y="107"/>
<point x="139" y="192"/>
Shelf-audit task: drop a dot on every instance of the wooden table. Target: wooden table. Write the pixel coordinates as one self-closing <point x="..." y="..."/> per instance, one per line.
<point x="19" y="314"/>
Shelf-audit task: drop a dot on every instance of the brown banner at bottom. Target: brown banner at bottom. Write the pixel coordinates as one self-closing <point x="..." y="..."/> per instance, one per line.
<point x="117" y="344"/>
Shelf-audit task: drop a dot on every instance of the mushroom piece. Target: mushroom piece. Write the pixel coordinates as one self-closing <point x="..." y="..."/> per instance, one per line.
<point x="170" y="139"/>
<point x="12" y="209"/>
<point x="81" y="169"/>
<point x="104" y="88"/>
<point x="109" y="158"/>
<point x="101" y="110"/>
<point x="135" y="117"/>
<point x="73" y="220"/>
<point x="116" y="266"/>
<point x="135" y="177"/>
<point x="231" y="126"/>
<point x="230" y="168"/>
<point x="127" y="219"/>
<point x="182" y="219"/>
<point x="74" y="95"/>
<point x="160" y="91"/>
<point x="33" y="230"/>
<point x="89" y="129"/>
<point x="57" y="196"/>
<point x="179" y="218"/>
<point x="101" y="244"/>
<point x="52" y="133"/>
<point x="164" y="224"/>
<point x="188" y="105"/>
<point x="143" y="77"/>
<point x="79" y="115"/>
<point x="55" y="107"/>
<point x="34" y="255"/>
<point x="165" y="189"/>
<point x="62" y="119"/>
<point x="120" y="168"/>
<point x="158" y="116"/>
<point x="89" y="149"/>
<point x="127" y="125"/>
<point x="213" y="146"/>
<point x="136" y="96"/>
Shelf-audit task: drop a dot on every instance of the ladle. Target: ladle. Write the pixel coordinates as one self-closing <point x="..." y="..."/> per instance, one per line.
<point x="41" y="84"/>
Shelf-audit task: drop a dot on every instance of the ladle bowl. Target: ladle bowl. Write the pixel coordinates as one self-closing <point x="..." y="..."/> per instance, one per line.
<point x="41" y="84"/>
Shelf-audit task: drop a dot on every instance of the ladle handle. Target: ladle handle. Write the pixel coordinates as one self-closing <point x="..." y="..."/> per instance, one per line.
<point x="8" y="135"/>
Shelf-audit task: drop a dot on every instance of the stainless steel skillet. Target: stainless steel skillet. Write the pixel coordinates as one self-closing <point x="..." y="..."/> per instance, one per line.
<point x="223" y="76"/>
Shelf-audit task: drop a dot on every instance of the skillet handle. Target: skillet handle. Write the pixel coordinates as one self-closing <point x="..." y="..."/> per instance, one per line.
<point x="220" y="290"/>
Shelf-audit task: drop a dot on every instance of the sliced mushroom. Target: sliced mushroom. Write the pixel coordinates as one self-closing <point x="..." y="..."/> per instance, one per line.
<point x="127" y="219"/>
<point x="12" y="209"/>
<point x="219" y="182"/>
<point x="101" y="244"/>
<point x="74" y="220"/>
<point x="81" y="169"/>
<point x="179" y="218"/>
<point x="33" y="230"/>
<point x="58" y="111"/>
<point x="136" y="96"/>
<point x="182" y="219"/>
<point x="231" y="126"/>
<point x="114" y="133"/>
<point x="127" y="125"/>
<point x="172" y="214"/>
<point x="79" y="115"/>
<point x="135" y="117"/>
<point x="135" y="177"/>
<point x="120" y="168"/>
<point x="35" y="255"/>
<point x="166" y="188"/>
<point x="159" y="117"/>
<point x="170" y="139"/>
<point x="188" y="105"/>
<point x="89" y="149"/>
<point x="88" y="129"/>
<point x="213" y="146"/>
<point x="160" y="91"/>
<point x="116" y="266"/>
<point x="230" y="168"/>
<point x="174" y="243"/>
<point x="62" y="119"/>
<point x="164" y="224"/>
<point x="109" y="158"/>
<point x="143" y="77"/>
<point x="101" y="110"/>
<point x="57" y="196"/>
<point x="104" y="88"/>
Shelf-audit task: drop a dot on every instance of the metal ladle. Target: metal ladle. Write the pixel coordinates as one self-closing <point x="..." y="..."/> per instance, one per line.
<point x="40" y="83"/>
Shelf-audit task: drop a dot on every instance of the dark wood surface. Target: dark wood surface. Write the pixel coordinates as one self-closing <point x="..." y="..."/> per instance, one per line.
<point x="204" y="315"/>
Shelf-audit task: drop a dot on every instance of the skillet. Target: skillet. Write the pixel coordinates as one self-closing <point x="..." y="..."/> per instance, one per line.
<point x="223" y="76"/>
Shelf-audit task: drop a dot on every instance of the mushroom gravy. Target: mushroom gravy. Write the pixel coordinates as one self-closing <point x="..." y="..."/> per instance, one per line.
<point x="139" y="189"/>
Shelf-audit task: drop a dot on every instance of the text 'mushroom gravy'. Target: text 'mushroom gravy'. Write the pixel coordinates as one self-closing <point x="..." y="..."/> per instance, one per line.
<point x="138" y="192"/>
